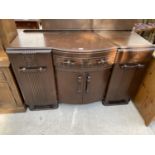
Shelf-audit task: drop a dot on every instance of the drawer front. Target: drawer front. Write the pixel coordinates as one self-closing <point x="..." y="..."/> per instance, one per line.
<point x="71" y="62"/>
<point x="2" y="77"/>
<point x="84" y="59"/>
<point x="6" y="97"/>
<point x="133" y="55"/>
<point x="35" y="76"/>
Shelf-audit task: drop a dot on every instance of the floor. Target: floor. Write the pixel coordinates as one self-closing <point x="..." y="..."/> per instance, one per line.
<point x="91" y="118"/>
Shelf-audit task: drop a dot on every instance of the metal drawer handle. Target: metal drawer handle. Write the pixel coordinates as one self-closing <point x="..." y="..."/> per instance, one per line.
<point x="69" y="62"/>
<point x="33" y="69"/>
<point x="127" y="66"/>
<point x="102" y="61"/>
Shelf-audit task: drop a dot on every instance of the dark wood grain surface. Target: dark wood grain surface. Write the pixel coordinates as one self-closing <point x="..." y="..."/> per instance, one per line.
<point x="85" y="24"/>
<point x="78" y="57"/>
<point x="57" y="24"/>
<point x="125" y="39"/>
<point x="27" y="24"/>
<point x="80" y="41"/>
<point x="119" y="84"/>
<point x="35" y="76"/>
<point x="114" y="24"/>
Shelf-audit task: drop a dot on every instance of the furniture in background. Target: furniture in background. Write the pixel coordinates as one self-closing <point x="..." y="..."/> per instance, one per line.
<point x="27" y="23"/>
<point x="10" y="98"/>
<point x="145" y="97"/>
<point x="146" y="29"/>
<point x="7" y="31"/>
<point x="89" y="24"/>
<point x="66" y="24"/>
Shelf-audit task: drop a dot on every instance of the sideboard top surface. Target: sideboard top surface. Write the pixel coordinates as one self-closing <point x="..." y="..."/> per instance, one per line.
<point x="78" y="41"/>
<point x="125" y="39"/>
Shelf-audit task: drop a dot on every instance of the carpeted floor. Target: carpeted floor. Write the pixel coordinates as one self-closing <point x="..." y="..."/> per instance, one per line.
<point x="91" y="118"/>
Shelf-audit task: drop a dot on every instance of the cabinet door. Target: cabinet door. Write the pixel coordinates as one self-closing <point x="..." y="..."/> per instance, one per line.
<point x="120" y="81"/>
<point x="95" y="85"/>
<point x="35" y="76"/>
<point x="6" y="98"/>
<point x="127" y="74"/>
<point x="70" y="86"/>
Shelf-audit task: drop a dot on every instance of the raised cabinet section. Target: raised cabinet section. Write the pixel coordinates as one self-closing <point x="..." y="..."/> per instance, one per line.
<point x="81" y="87"/>
<point x="35" y="75"/>
<point x="130" y="65"/>
<point x="82" y="79"/>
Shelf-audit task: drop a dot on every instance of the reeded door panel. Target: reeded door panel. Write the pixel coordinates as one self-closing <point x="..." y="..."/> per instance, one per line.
<point x="118" y="87"/>
<point x="35" y="75"/>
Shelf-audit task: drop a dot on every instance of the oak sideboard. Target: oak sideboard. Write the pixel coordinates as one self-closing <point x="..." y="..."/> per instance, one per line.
<point x="78" y="66"/>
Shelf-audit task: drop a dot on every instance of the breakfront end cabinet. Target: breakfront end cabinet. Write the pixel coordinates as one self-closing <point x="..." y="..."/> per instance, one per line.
<point x="78" y="66"/>
<point x="129" y="68"/>
<point x="35" y="75"/>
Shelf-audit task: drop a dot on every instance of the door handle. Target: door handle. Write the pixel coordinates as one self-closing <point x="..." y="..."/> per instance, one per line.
<point x="33" y="69"/>
<point x="130" y="66"/>
<point x="79" y="87"/>
<point x="88" y="80"/>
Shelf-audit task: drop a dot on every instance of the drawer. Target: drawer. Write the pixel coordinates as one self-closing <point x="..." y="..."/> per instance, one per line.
<point x="31" y="61"/>
<point x="61" y="61"/>
<point x="2" y="77"/>
<point x="133" y="55"/>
